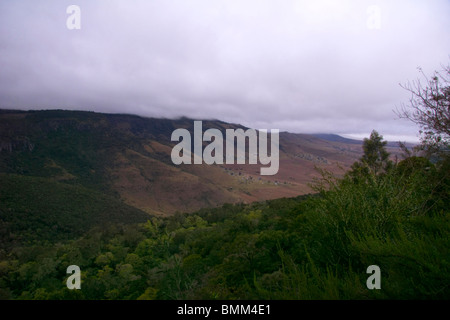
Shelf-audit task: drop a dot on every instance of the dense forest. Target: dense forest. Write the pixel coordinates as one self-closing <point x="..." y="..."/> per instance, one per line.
<point x="393" y="215"/>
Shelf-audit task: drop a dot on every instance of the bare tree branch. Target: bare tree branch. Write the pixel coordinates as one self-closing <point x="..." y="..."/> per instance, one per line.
<point x="429" y="107"/>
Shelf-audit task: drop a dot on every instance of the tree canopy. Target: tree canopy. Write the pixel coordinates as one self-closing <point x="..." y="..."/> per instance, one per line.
<point x="375" y="159"/>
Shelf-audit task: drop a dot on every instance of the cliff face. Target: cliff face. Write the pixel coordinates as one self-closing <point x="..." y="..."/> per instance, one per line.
<point x="16" y="144"/>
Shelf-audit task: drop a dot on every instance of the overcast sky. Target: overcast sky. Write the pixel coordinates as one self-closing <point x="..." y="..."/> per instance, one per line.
<point x="301" y="66"/>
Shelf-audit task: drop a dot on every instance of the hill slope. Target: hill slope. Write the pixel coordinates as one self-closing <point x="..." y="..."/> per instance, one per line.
<point x="40" y="209"/>
<point x="128" y="157"/>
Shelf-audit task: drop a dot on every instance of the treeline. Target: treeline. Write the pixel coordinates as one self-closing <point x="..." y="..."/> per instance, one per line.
<point x="393" y="215"/>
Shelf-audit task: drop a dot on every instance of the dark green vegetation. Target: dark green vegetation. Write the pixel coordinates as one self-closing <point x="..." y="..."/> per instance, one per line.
<point x="39" y="210"/>
<point x="310" y="247"/>
<point x="61" y="205"/>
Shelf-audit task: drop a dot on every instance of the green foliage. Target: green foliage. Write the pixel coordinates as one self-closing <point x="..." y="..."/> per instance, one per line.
<point x="41" y="210"/>
<point x="375" y="159"/>
<point x="310" y="247"/>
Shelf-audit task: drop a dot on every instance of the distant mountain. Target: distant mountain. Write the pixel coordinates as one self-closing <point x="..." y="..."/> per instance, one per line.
<point x="336" y="138"/>
<point x="394" y="145"/>
<point x="128" y="157"/>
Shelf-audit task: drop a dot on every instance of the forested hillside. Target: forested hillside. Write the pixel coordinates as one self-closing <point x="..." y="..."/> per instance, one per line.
<point x="59" y="208"/>
<point x="40" y="210"/>
<point x="310" y="247"/>
<point x="129" y="157"/>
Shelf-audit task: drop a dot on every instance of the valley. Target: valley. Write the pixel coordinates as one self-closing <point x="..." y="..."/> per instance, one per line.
<point x="129" y="157"/>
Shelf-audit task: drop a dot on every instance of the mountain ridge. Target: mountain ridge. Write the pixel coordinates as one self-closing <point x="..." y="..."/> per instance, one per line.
<point x="129" y="157"/>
